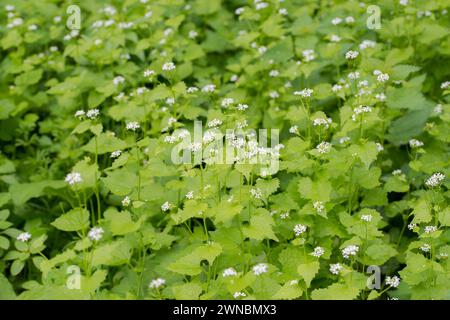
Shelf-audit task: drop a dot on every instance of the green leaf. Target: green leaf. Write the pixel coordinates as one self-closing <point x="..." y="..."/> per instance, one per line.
<point x="192" y="209"/>
<point x="315" y="190"/>
<point x="336" y="291"/>
<point x="120" y="222"/>
<point x="406" y="98"/>
<point x="120" y="182"/>
<point x="190" y="264"/>
<point x="16" y="267"/>
<point x="7" y="291"/>
<point x="29" y="78"/>
<point x="92" y="283"/>
<point x="4" y="243"/>
<point x="308" y="271"/>
<point x="74" y="220"/>
<point x="187" y="291"/>
<point x="260" y="227"/>
<point x="288" y="292"/>
<point x="112" y="254"/>
<point x="366" y="152"/>
<point x="106" y="142"/>
<point x="421" y="212"/>
<point x="21" y="193"/>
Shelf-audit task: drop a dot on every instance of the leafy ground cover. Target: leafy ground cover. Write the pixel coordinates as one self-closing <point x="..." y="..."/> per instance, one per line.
<point x="93" y="205"/>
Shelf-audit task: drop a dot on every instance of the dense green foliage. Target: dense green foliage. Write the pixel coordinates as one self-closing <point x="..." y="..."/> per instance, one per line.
<point x="363" y="156"/>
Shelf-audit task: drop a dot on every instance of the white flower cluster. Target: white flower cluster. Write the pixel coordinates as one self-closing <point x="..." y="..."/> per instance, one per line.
<point x="73" y="178"/>
<point x="350" y="250"/>
<point x="366" y="217"/>
<point x="335" y="268"/>
<point x="323" y="147"/>
<point x="226" y="102"/>
<point x="351" y="55"/>
<point x="96" y="233"/>
<point x="318" y="206"/>
<point x="367" y="44"/>
<point x="168" y="66"/>
<point x="260" y="268"/>
<point x="360" y="110"/>
<point x="239" y="294"/>
<point x="322" y="122"/>
<point x="126" y="201"/>
<point x="24" y="237"/>
<point x="308" y="55"/>
<point x="157" y="283"/>
<point x="393" y="281"/>
<point x="299" y="229"/>
<point x="430" y="229"/>
<point x="229" y="272"/>
<point x="132" y="126"/>
<point x="209" y="88"/>
<point x="414" y="143"/>
<point x="318" y="252"/>
<point x="435" y="180"/>
<point x="305" y="93"/>
<point x="445" y="85"/>
<point x="166" y="206"/>
<point x="256" y="193"/>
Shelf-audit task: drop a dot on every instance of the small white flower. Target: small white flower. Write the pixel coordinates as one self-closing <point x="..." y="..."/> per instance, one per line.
<point x="149" y="73"/>
<point x="323" y="147"/>
<point x="73" y="178"/>
<point x="10" y="7"/>
<point x="393" y="281"/>
<point x="195" y="147"/>
<point x="234" y="78"/>
<point x="116" y="153"/>
<point x="274" y="94"/>
<point x="350" y="55"/>
<point x="318" y="252"/>
<point x="344" y="140"/>
<point x="96" y="233"/>
<point x="305" y="93"/>
<point x="322" y="122"/>
<point x="336" y="21"/>
<point x="193" y="34"/>
<point x="411" y="226"/>
<point x="80" y="114"/>
<point x="430" y="229"/>
<point x="353" y="75"/>
<point x="226" y="102"/>
<point x="308" y="55"/>
<point x="93" y="113"/>
<point x="285" y="215"/>
<point x="236" y="295"/>
<point x="335" y="268"/>
<point x="229" y="272"/>
<point x="126" y="201"/>
<point x="350" y="250"/>
<point x="360" y="110"/>
<point x="299" y="229"/>
<point x="366" y="217"/>
<point x="379" y="147"/>
<point x="32" y="27"/>
<point x="403" y="2"/>
<point x="261" y="5"/>
<point x="336" y="88"/>
<point x="242" y="107"/>
<point x="190" y="195"/>
<point x="262" y="49"/>
<point x="425" y="248"/>
<point x="24" y="237"/>
<point x="239" y="11"/>
<point x="209" y="88"/>
<point x="367" y="44"/>
<point x="192" y="89"/>
<point x="438" y="109"/>
<point x="397" y="172"/>
<point x="382" y="77"/>
<point x="157" y="283"/>
<point x="335" y="38"/>
<point x="260" y="268"/>
<point x="168" y="66"/>
<point x="57" y="19"/>
<point x="293" y="129"/>
<point x="119" y="79"/>
<point x="318" y="206"/>
<point x="214" y="123"/>
<point x="132" y="126"/>
<point x="274" y="73"/>
<point x="380" y="96"/>
<point x="283" y="11"/>
<point x="256" y="193"/>
<point x="166" y="206"/>
<point x="349" y="20"/>
<point x="435" y="180"/>
<point x="445" y="85"/>
<point x="414" y="143"/>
